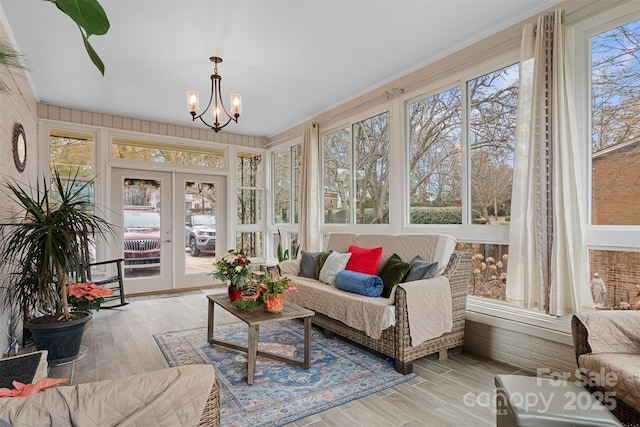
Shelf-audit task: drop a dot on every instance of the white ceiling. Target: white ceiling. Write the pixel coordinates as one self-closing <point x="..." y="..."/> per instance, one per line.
<point x="290" y="60"/>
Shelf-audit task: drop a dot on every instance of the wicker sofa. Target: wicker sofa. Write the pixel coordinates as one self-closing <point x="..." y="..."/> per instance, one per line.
<point x="395" y="341"/>
<point x="612" y="371"/>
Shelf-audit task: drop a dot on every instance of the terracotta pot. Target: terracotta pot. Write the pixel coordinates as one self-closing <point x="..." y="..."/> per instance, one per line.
<point x="273" y="303"/>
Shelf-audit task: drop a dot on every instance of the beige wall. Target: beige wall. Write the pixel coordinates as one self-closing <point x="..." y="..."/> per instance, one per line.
<point x="18" y="105"/>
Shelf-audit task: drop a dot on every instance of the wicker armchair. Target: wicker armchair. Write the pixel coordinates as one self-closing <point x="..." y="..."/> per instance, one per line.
<point x="211" y="412"/>
<point x="623" y="412"/>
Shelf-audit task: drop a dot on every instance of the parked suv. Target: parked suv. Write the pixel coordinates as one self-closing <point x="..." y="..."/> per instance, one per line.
<point x="200" y="234"/>
<point x="141" y="238"/>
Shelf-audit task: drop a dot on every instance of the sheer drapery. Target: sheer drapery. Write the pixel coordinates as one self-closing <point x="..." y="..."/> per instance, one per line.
<point x="546" y="251"/>
<point x="309" y="233"/>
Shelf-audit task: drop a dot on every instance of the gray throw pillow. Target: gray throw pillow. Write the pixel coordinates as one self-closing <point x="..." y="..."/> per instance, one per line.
<point x="421" y="269"/>
<point x="308" y="263"/>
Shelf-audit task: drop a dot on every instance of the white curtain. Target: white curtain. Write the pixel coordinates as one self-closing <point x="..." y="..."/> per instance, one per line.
<point x="546" y="251"/>
<point x="309" y="233"/>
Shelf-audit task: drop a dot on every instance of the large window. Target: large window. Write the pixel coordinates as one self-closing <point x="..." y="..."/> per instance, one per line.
<point x="435" y="147"/>
<point x="435" y="158"/>
<point x="437" y="175"/>
<point x="615" y="164"/>
<point x="356" y="173"/>
<point x="456" y="171"/>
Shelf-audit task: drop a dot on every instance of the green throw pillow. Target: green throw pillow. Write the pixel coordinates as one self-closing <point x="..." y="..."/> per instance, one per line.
<point x="392" y="273"/>
<point x="321" y="259"/>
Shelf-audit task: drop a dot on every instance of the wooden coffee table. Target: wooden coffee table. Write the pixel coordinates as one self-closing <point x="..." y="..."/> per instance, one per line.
<point x="254" y="318"/>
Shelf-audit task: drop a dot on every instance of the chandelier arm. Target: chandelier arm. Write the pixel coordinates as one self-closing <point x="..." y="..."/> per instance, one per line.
<point x="199" y="116"/>
<point x="216" y="128"/>
<point x="222" y="102"/>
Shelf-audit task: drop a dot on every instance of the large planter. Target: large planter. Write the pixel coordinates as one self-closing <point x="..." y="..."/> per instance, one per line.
<point x="61" y="339"/>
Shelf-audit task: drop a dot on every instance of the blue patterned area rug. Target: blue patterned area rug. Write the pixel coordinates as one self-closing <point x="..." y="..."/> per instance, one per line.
<point x="281" y="393"/>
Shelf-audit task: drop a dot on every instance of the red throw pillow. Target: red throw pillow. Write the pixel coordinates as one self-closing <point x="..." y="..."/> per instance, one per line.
<point x="364" y="260"/>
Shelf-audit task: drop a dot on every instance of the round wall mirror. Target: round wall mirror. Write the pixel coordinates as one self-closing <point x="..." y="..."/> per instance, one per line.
<point x="19" y="147"/>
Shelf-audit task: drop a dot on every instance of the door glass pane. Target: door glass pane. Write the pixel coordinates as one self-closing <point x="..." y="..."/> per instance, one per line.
<point x="141" y="227"/>
<point x="200" y="203"/>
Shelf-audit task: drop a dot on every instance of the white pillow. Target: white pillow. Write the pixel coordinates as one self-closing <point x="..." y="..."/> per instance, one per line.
<point x="335" y="263"/>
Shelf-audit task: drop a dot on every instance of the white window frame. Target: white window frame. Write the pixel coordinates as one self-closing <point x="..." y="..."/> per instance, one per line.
<point x="596" y="237"/>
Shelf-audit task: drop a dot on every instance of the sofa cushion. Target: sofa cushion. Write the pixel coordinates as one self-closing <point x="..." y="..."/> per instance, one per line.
<point x="392" y="273"/>
<point x="436" y="247"/>
<point x="357" y="311"/>
<point x="321" y="260"/>
<point x="335" y="263"/>
<point x="289" y="267"/>
<point x="421" y="269"/>
<point x="364" y="260"/>
<point x="359" y="283"/>
<point x="308" y="264"/>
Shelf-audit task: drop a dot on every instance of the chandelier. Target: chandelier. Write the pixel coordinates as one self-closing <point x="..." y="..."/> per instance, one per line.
<point x="215" y="102"/>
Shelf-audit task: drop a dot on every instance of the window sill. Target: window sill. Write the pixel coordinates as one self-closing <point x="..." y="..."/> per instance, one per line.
<point x="503" y="315"/>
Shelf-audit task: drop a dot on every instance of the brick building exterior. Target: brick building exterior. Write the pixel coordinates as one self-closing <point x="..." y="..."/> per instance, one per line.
<point x="616" y="201"/>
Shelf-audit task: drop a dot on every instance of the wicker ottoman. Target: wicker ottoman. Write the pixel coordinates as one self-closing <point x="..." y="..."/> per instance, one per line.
<point x="532" y="401"/>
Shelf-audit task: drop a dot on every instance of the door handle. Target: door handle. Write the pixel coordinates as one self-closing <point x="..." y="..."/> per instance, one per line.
<point x="167" y="241"/>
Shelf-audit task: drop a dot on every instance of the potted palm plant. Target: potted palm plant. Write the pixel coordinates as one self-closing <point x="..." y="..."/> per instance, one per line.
<point x="42" y="250"/>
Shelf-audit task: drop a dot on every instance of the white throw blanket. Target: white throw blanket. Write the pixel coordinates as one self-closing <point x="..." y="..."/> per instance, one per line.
<point x="168" y="397"/>
<point x="428" y="308"/>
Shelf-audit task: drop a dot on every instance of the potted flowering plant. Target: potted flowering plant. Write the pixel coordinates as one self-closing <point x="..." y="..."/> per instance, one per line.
<point x="277" y="285"/>
<point x="234" y="268"/>
<point x="269" y="291"/>
<point x="273" y="290"/>
<point x="87" y="296"/>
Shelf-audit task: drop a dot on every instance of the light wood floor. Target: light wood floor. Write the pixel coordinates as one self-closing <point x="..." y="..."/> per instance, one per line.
<point x="454" y="392"/>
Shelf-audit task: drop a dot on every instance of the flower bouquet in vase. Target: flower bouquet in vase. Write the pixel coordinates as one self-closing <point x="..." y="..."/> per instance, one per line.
<point x="234" y="268"/>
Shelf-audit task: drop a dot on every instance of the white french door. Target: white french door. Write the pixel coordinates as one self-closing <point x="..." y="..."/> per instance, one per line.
<point x="201" y="217"/>
<point x="156" y="213"/>
<point x="141" y="202"/>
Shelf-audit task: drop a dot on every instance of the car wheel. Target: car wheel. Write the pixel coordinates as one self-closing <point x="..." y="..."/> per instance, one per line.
<point x="194" y="249"/>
